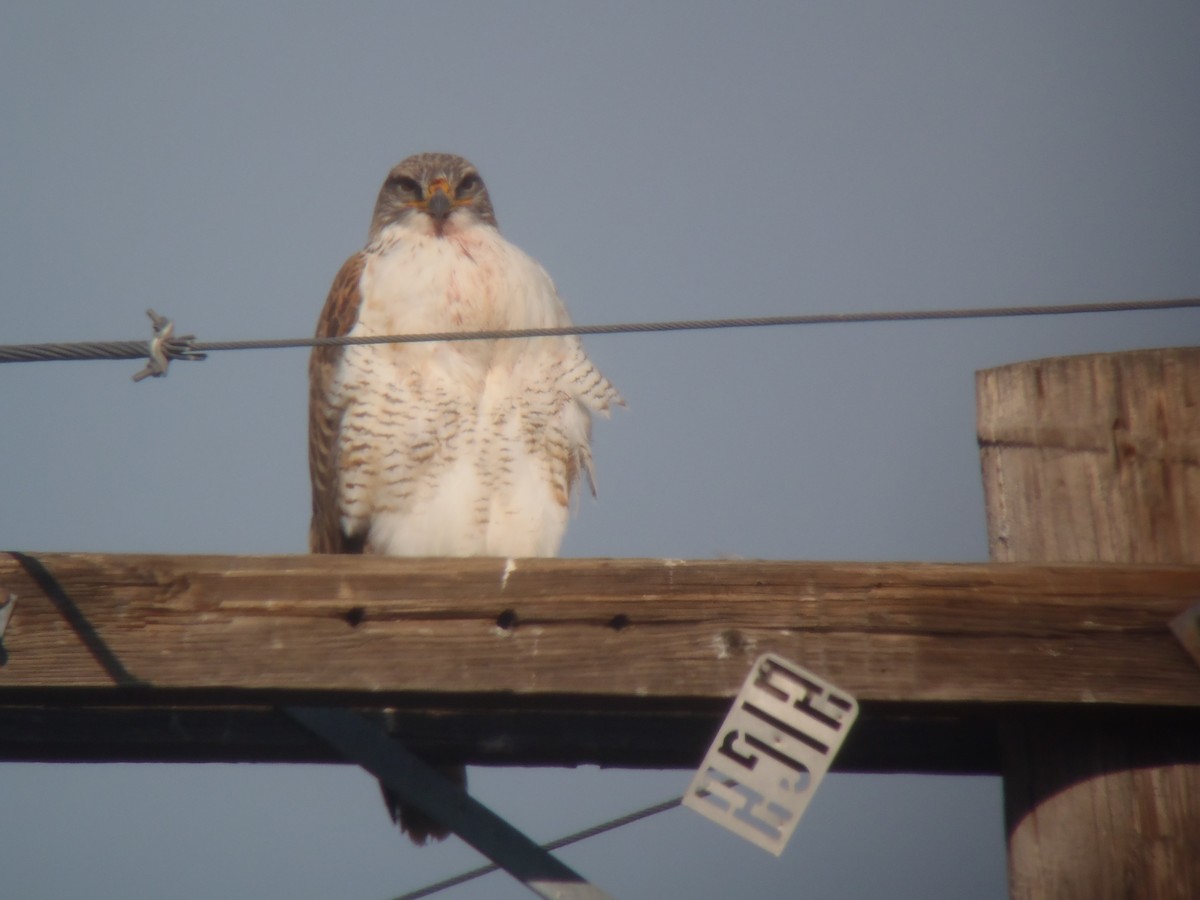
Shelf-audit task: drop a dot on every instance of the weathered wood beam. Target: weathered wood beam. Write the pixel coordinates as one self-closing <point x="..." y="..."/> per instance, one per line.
<point x="562" y="662"/>
<point x="617" y="629"/>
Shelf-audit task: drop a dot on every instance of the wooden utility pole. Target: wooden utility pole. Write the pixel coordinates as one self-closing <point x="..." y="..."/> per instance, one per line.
<point x="1096" y="459"/>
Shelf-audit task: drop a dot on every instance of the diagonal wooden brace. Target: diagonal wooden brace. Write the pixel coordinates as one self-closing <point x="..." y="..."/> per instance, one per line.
<point x="417" y="783"/>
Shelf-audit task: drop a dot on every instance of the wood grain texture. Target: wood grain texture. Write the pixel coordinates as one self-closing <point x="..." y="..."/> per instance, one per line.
<point x="902" y="632"/>
<point x="1093" y="458"/>
<point x="1097" y="459"/>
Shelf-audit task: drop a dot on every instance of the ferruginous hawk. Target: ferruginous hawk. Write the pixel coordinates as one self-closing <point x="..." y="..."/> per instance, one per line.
<point x="458" y="448"/>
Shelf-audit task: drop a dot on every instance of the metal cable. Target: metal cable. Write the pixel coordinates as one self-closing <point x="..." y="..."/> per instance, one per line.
<point x="190" y="349"/>
<point x="553" y="845"/>
<point x="82" y="350"/>
<point x="705" y="324"/>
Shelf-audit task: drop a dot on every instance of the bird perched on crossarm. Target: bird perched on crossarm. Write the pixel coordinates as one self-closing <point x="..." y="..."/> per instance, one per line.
<point x="456" y="448"/>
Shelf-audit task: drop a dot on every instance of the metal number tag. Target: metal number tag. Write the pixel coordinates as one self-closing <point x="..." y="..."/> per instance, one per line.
<point x="775" y="746"/>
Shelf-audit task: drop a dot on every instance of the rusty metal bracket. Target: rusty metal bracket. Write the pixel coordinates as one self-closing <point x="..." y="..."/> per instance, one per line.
<point x="6" y="611"/>
<point x="1186" y="627"/>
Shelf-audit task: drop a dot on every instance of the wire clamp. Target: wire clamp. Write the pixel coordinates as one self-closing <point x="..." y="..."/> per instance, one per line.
<point x="164" y="347"/>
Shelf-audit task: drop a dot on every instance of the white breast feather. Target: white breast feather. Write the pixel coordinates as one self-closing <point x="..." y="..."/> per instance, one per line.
<point x="462" y="448"/>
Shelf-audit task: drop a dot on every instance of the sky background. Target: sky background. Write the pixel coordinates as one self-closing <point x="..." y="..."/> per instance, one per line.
<point x="219" y="161"/>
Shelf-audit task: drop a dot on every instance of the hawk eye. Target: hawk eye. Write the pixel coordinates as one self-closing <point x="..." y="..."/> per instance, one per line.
<point x="406" y="184"/>
<point x="469" y="182"/>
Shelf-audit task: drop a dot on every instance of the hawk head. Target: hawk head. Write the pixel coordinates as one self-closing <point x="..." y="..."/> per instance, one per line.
<point x="434" y="189"/>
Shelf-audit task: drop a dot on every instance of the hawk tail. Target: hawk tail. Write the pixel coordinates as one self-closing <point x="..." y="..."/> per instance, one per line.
<point x="419" y="826"/>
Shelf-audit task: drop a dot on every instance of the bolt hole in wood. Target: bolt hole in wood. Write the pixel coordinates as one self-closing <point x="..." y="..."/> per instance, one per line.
<point x="619" y="621"/>
<point x="507" y="620"/>
<point x="732" y="641"/>
<point x="354" y="616"/>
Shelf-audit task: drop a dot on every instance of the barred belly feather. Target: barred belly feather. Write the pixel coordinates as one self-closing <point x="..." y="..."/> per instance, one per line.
<point x="462" y="448"/>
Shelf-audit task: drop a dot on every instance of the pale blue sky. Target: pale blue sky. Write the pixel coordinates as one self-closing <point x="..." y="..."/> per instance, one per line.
<point x="218" y="162"/>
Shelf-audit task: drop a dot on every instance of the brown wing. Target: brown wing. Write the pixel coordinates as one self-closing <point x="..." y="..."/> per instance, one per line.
<point x="325" y="419"/>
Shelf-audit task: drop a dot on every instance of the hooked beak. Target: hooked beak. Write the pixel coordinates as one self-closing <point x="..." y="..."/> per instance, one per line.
<point x="439" y="204"/>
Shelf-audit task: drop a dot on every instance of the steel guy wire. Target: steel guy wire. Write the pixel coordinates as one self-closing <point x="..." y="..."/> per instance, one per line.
<point x="164" y="346"/>
<point x="471" y="875"/>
